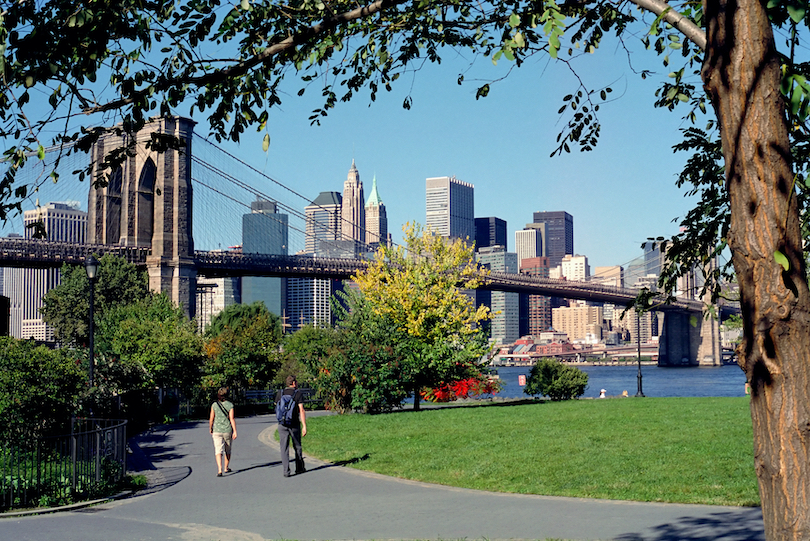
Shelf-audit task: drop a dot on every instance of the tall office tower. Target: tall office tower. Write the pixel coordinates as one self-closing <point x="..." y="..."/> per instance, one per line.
<point x="450" y="207"/>
<point x="353" y="222"/>
<point x="529" y="243"/>
<point x="653" y="258"/>
<point x="504" y="326"/>
<point x="612" y="276"/>
<point x="213" y="296"/>
<point x="265" y="231"/>
<point x="323" y="220"/>
<point x="63" y="222"/>
<point x="535" y="310"/>
<point x="490" y="231"/>
<point x="12" y="289"/>
<point x="308" y="302"/>
<point x="376" y="218"/>
<point x="309" y="299"/>
<point x="575" y="268"/>
<point x="559" y="238"/>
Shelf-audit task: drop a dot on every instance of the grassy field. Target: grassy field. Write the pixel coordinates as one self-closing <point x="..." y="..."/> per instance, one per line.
<point x="688" y="450"/>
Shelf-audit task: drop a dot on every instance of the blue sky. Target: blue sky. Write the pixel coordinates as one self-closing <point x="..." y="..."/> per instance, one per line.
<point x="619" y="194"/>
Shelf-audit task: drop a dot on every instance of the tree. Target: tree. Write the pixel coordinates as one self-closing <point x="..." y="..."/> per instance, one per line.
<point x="39" y="390"/>
<point x="154" y="57"/>
<point x="558" y="381"/>
<point x="302" y="353"/>
<point x="418" y="288"/>
<point x="155" y="335"/>
<point x="364" y="368"/>
<point x="242" y="347"/>
<point x="65" y="307"/>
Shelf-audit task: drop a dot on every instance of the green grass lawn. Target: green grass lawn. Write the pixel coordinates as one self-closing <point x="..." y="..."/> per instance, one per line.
<point x="688" y="450"/>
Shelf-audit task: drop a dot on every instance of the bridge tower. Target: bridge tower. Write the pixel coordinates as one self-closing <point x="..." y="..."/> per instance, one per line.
<point x="147" y="202"/>
<point x="692" y="338"/>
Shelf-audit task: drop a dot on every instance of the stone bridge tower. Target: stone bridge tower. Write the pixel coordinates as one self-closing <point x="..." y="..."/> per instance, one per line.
<point x="692" y="338"/>
<point x="147" y="202"/>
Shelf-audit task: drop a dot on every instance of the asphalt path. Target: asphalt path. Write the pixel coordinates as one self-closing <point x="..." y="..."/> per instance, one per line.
<point x="186" y="501"/>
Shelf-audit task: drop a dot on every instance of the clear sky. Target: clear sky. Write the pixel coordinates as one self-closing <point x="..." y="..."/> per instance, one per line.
<point x="619" y="194"/>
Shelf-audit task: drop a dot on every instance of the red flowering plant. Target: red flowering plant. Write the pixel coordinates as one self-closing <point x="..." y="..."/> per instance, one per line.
<point x="472" y="387"/>
<point x="472" y="380"/>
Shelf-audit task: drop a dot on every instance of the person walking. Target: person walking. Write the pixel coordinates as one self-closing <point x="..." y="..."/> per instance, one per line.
<point x="222" y="426"/>
<point x="294" y="430"/>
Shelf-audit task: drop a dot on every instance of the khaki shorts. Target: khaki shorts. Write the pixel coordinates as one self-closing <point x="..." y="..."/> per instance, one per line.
<point x="222" y="443"/>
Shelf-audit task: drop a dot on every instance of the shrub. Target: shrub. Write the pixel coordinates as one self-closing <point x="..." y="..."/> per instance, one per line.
<point x="555" y="380"/>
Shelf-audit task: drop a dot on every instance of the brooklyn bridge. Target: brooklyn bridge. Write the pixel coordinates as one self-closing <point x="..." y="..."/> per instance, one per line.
<point x="144" y="215"/>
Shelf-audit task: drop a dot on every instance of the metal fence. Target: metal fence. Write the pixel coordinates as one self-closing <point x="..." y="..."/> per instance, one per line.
<point x="62" y="469"/>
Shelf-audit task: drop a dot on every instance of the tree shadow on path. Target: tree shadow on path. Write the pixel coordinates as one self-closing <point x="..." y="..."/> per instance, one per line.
<point x="742" y="525"/>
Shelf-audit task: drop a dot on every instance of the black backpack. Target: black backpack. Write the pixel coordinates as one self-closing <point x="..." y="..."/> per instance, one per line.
<point x="285" y="410"/>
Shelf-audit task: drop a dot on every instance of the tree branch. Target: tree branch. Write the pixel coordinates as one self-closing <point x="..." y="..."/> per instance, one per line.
<point x="241" y="68"/>
<point x="689" y="29"/>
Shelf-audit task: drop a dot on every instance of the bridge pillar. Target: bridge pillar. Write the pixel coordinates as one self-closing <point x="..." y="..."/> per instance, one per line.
<point x="147" y="202"/>
<point x="710" y="352"/>
<point x="689" y="339"/>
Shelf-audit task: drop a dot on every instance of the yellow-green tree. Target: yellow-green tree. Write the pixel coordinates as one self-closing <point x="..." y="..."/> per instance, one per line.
<point x="418" y="286"/>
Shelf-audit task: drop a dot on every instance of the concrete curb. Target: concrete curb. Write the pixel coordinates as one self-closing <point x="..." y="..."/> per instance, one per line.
<point x="70" y="507"/>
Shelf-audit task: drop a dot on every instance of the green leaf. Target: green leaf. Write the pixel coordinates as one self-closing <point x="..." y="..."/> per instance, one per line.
<point x="514" y="20"/>
<point x="266" y="142"/>
<point x="246" y="5"/>
<point x="781" y="259"/>
<point x="693" y="321"/>
<point x="796" y="12"/>
<point x="41" y="152"/>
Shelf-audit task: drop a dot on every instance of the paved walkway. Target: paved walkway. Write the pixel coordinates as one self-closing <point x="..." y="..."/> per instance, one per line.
<point x="186" y="501"/>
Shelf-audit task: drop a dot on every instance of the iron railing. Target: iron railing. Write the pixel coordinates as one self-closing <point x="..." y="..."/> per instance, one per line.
<point x="62" y="469"/>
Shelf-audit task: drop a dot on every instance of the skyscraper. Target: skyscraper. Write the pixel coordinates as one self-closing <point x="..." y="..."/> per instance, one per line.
<point x="529" y="243"/>
<point x="535" y="310"/>
<point x="575" y="268"/>
<point x="376" y="218"/>
<point x="308" y="299"/>
<point x="323" y="220"/>
<point x="504" y="306"/>
<point x="353" y="210"/>
<point x="559" y="239"/>
<point x="490" y="231"/>
<point x="63" y="222"/>
<point x="450" y="207"/>
<point x="265" y="231"/>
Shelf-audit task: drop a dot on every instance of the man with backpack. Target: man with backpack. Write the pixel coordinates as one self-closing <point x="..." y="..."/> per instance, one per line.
<point x="292" y="425"/>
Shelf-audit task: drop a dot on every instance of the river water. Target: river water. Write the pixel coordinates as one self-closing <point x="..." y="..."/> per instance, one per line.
<point x="728" y="380"/>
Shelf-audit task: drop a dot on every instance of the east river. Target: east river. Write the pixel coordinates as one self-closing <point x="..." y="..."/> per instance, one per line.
<point x="728" y="380"/>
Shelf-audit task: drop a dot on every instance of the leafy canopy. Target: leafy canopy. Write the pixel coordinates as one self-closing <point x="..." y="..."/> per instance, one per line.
<point x="242" y="347"/>
<point x="416" y="288"/>
<point x="65" y="307"/>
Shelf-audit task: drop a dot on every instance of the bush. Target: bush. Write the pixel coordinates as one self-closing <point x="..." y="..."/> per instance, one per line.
<point x="39" y="389"/>
<point x="555" y="380"/>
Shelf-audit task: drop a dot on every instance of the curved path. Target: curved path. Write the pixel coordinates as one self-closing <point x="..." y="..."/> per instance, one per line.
<point x="186" y="501"/>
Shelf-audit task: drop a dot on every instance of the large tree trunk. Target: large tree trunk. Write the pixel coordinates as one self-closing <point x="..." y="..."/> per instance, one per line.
<point x="741" y="72"/>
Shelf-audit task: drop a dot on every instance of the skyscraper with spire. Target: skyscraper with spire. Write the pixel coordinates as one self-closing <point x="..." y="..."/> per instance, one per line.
<point x="376" y="218"/>
<point x="353" y="223"/>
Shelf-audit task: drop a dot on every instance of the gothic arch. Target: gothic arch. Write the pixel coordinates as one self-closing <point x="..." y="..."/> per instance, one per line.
<point x="146" y="203"/>
<point x="113" y="210"/>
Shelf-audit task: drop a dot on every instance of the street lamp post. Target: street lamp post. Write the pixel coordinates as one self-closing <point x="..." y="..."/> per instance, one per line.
<point x="638" y="340"/>
<point x="91" y="267"/>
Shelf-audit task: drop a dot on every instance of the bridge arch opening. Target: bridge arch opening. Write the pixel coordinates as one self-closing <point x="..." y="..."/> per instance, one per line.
<point x="146" y="203"/>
